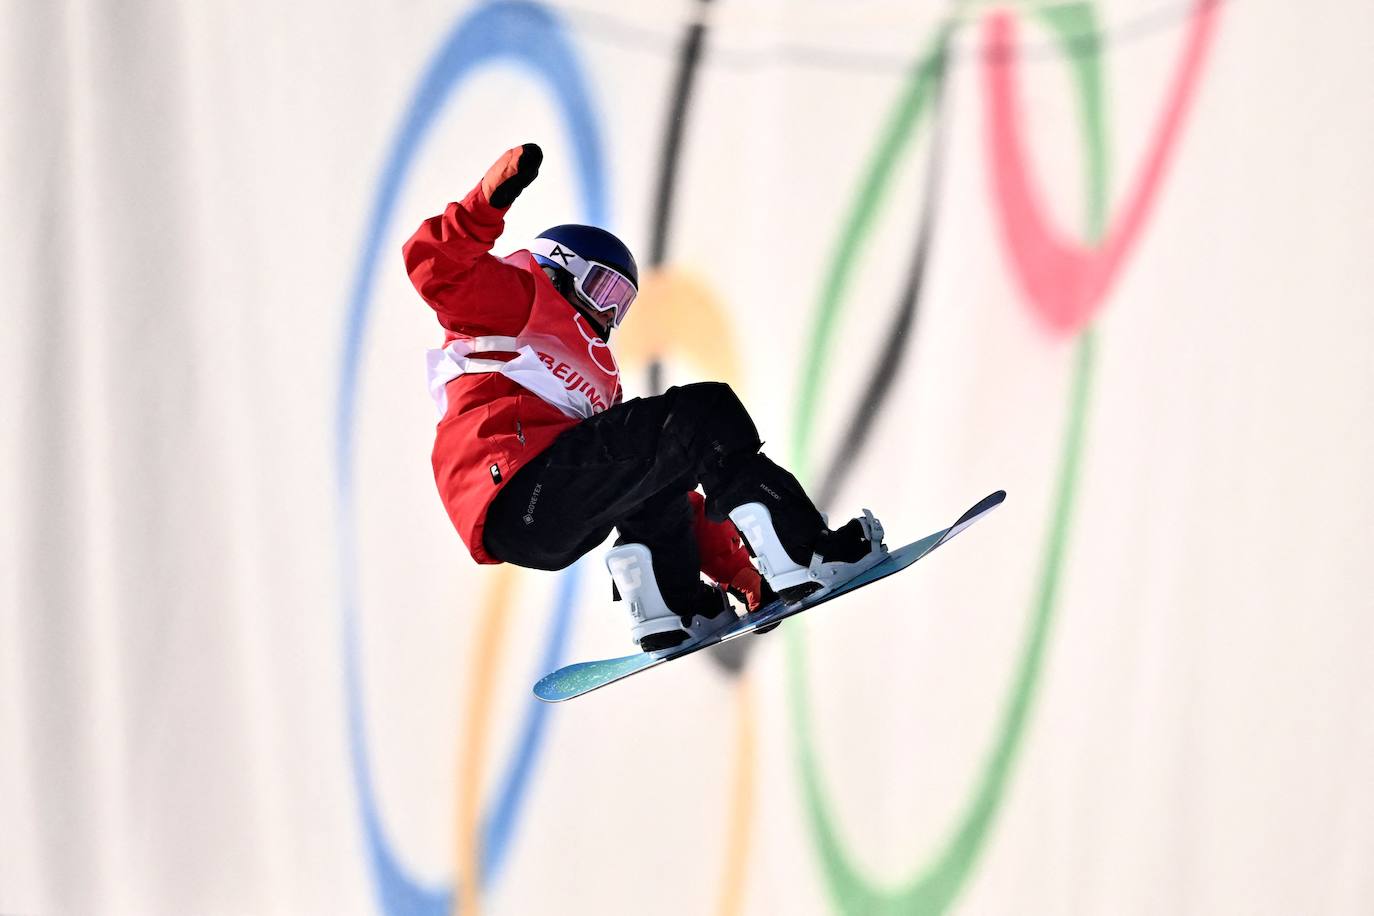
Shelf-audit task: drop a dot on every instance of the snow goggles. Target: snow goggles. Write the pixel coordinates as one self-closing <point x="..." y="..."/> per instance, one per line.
<point x="604" y="289"/>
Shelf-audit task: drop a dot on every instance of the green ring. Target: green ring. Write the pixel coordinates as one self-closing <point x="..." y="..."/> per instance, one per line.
<point x="935" y="887"/>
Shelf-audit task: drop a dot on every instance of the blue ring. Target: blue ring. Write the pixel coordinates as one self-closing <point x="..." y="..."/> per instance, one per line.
<point x="510" y="31"/>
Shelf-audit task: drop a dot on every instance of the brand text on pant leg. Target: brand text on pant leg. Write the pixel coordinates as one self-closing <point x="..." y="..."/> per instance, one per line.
<point x="529" y="508"/>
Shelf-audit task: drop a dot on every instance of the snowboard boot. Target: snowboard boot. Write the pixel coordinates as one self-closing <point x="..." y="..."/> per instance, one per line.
<point x="657" y="623"/>
<point x="834" y="556"/>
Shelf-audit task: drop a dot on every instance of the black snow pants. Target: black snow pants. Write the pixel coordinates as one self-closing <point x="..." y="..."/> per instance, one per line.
<point x="631" y="467"/>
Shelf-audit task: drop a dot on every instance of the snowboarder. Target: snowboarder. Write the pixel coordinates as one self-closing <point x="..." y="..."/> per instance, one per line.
<point x="537" y="457"/>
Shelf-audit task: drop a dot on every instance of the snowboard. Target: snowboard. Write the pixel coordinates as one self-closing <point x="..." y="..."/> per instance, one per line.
<point x="583" y="677"/>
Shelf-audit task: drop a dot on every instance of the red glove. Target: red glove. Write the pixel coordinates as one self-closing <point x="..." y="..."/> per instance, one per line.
<point x="748" y="588"/>
<point x="511" y="174"/>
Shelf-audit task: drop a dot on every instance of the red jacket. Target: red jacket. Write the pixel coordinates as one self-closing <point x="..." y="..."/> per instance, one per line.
<point x="492" y="424"/>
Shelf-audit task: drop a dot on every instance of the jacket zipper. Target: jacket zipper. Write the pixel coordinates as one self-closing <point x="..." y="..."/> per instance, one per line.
<point x="519" y="432"/>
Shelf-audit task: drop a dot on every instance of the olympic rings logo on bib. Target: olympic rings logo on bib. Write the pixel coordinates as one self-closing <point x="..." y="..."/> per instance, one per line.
<point x="595" y="346"/>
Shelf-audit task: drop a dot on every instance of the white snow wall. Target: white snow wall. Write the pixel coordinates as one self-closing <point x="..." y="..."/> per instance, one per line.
<point x="247" y="667"/>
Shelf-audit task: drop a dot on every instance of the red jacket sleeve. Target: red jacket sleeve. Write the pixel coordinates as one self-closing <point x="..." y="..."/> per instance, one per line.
<point x="450" y="263"/>
<point x="721" y="548"/>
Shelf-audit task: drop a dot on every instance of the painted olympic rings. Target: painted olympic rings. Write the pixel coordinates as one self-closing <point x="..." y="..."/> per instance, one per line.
<point x="1064" y="288"/>
<point x="528" y="35"/>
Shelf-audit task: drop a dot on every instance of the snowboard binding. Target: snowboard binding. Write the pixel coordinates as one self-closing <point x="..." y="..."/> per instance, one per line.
<point x="837" y="556"/>
<point x="655" y="627"/>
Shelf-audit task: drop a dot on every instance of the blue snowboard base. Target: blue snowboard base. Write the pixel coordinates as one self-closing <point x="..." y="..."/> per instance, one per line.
<point x="584" y="677"/>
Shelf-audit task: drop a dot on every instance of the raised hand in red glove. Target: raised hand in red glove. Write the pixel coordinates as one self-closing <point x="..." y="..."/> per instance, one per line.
<point x="511" y="174"/>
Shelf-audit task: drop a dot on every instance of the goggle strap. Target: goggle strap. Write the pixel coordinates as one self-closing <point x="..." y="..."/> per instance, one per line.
<point x="562" y="256"/>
